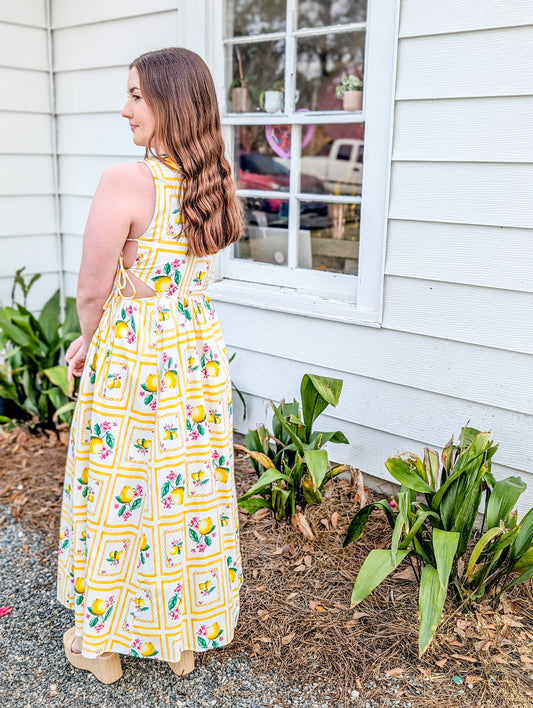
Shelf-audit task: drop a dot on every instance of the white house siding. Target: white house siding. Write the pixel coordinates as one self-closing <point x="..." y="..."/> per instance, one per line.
<point x="456" y="342"/>
<point x="93" y="44"/>
<point x="28" y="224"/>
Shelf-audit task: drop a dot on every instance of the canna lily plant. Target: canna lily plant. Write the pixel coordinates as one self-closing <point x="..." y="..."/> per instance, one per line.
<point x="32" y="380"/>
<point x="436" y="513"/>
<point x="293" y="468"/>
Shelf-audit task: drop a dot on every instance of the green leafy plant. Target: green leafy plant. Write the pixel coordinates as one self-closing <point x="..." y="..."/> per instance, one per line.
<point x="294" y="469"/>
<point x="348" y="83"/>
<point x="434" y="524"/>
<point x="31" y="377"/>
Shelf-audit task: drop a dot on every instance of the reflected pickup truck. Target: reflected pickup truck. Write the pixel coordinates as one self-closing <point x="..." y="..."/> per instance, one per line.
<point x="341" y="169"/>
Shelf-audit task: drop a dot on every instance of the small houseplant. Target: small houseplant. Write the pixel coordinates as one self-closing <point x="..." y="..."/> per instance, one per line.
<point x="240" y="96"/>
<point x="350" y="92"/>
<point x="271" y="100"/>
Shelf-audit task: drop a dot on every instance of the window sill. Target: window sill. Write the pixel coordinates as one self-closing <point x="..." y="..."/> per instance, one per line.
<point x="290" y="300"/>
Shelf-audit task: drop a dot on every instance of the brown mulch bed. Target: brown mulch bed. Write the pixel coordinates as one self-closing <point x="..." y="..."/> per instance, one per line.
<point x="295" y="615"/>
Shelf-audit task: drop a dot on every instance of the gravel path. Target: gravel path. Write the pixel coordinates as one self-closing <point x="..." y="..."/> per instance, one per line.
<point x="35" y="672"/>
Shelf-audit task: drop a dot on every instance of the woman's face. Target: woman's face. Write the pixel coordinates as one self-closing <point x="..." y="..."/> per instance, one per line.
<point x="137" y="111"/>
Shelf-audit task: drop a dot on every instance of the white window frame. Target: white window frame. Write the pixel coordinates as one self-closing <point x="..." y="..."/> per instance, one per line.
<point x="349" y="298"/>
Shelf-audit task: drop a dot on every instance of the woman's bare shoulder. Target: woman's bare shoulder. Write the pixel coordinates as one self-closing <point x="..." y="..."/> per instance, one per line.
<point x="126" y="176"/>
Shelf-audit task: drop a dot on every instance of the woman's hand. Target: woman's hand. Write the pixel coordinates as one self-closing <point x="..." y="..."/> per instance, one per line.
<point x="75" y="357"/>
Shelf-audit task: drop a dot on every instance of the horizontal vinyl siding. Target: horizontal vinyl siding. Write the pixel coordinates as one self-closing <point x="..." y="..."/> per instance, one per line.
<point x="90" y="89"/>
<point x="455" y="345"/>
<point x="28" y="228"/>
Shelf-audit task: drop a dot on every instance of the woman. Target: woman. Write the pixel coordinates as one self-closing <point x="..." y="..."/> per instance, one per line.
<point x="149" y="553"/>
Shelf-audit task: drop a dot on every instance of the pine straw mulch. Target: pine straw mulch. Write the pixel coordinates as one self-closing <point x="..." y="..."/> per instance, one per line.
<point x="295" y="614"/>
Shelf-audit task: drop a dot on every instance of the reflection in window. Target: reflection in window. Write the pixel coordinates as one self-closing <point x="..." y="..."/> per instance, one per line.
<point x="321" y="62"/>
<point x="333" y="155"/>
<point x="251" y="17"/>
<point x="266" y="236"/>
<point x="257" y="165"/>
<point x="245" y="70"/>
<point x="330" y="232"/>
<point x="318" y="13"/>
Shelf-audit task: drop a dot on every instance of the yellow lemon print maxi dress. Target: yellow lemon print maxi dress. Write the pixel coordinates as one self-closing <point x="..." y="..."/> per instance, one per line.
<point x="149" y="556"/>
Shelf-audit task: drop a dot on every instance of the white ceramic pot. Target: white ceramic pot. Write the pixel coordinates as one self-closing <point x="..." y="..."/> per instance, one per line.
<point x="273" y="101"/>
<point x="352" y="100"/>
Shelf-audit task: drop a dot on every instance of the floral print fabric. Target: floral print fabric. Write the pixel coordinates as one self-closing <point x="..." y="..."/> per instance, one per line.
<point x="149" y="556"/>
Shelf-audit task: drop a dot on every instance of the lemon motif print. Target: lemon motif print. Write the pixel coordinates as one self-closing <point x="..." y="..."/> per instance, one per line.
<point x="148" y="556"/>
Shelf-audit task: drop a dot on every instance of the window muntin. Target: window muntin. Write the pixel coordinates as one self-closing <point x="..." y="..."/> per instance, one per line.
<point x="298" y="215"/>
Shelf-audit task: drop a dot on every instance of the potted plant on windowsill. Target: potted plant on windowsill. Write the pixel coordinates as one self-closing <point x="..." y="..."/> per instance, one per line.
<point x="271" y="100"/>
<point x="240" y="96"/>
<point x="350" y="92"/>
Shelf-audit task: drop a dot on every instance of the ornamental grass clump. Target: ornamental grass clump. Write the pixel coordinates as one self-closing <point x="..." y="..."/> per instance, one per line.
<point x="32" y="380"/>
<point x="293" y="468"/>
<point x="434" y="523"/>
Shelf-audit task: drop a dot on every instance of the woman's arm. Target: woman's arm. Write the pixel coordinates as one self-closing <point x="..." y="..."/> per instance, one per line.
<point x="119" y="205"/>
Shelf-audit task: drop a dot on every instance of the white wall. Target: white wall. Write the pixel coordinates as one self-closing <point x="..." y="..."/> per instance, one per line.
<point x="456" y="342"/>
<point x="93" y="44"/>
<point x="28" y="224"/>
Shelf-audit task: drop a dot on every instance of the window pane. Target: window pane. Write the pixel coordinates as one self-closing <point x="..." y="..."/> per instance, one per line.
<point x="322" y="13"/>
<point x="257" y="164"/>
<point x="320" y="63"/>
<point x="332" y="159"/>
<point x="249" y="17"/>
<point x="252" y="59"/>
<point x="329" y="236"/>
<point x="265" y="238"/>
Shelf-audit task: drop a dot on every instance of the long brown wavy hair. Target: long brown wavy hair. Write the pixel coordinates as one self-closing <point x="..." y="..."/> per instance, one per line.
<point x="178" y="87"/>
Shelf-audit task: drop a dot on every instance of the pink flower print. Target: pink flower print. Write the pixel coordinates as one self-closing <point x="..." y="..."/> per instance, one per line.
<point x="131" y="338"/>
<point x="171" y="476"/>
<point x="165" y="358"/>
<point x="215" y="455"/>
<point x="115" y="506"/>
<point x="205" y="347"/>
<point x="105" y="453"/>
<point x="106" y="425"/>
<point x="194" y="522"/>
<point x="153" y="405"/>
<point x="110" y="600"/>
<point x="158" y="271"/>
<point x="175" y="263"/>
<point x="194" y="435"/>
<point x="175" y="614"/>
<point x="129" y="310"/>
<point x="139" y="490"/>
<point x="136" y="644"/>
<point x="126" y="515"/>
<point x="201" y="547"/>
<point x="203" y="630"/>
<point x="177" y="589"/>
<point x="167" y="503"/>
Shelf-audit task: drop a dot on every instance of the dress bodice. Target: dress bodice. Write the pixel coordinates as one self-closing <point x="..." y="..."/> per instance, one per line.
<point x="163" y="260"/>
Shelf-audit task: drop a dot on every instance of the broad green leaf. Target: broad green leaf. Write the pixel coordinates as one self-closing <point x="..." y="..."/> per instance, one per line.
<point x="396" y="533"/>
<point x="310" y="492"/>
<point x="318" y="439"/>
<point x="377" y="565"/>
<point x="422" y="516"/>
<point x="523" y="562"/>
<point x="63" y="412"/>
<point x="58" y="375"/>
<point x="317" y="392"/>
<point x="479" y="547"/>
<point x="264" y="481"/>
<point x="401" y="471"/>
<point x="467" y="511"/>
<point x="253" y="504"/>
<point x="503" y="498"/>
<point x="431" y="601"/>
<point x="71" y="324"/>
<point x="49" y="317"/>
<point x="467" y="437"/>
<point x="525" y="536"/>
<point x="287" y="428"/>
<point x="317" y="464"/>
<point x="444" y="545"/>
<point x="470" y="459"/>
<point x="431" y="466"/>
<point x="358" y="522"/>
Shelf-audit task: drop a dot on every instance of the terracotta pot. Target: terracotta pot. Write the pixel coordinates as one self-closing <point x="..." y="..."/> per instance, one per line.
<point x="240" y="100"/>
<point x="352" y="100"/>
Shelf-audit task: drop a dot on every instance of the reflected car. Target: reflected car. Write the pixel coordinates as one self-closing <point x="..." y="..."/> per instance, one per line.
<point x="257" y="171"/>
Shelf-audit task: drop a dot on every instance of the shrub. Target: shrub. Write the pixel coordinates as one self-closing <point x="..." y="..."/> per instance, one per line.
<point x="31" y="377"/>
<point x="434" y="524"/>
<point x="294" y="469"/>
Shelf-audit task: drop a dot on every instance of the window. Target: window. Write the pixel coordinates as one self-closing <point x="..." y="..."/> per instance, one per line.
<point x="315" y="214"/>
